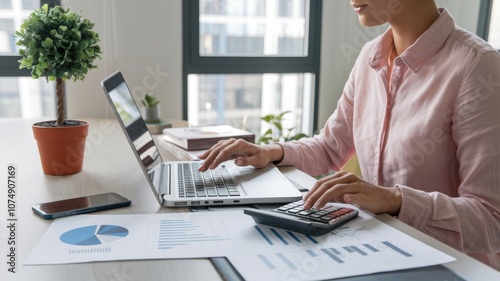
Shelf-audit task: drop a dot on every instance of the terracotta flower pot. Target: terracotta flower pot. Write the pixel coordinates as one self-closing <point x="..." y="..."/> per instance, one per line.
<point x="61" y="148"/>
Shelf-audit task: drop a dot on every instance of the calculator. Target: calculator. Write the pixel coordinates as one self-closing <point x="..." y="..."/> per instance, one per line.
<point x="314" y="222"/>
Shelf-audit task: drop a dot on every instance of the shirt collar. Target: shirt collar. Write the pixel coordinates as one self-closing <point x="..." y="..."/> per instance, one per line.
<point x="422" y="50"/>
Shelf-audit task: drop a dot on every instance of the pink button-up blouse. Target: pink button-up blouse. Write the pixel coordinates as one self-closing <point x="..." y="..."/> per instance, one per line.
<point x="434" y="133"/>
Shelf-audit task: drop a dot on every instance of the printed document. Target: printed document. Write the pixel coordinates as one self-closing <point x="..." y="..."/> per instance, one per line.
<point x="364" y="245"/>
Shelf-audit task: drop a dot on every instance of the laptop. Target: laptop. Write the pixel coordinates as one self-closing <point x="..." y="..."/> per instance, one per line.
<point x="178" y="183"/>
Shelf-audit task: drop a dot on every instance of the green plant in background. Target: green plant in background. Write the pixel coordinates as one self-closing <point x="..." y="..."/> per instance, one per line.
<point x="151" y="111"/>
<point x="150" y="100"/>
<point x="276" y="132"/>
<point x="60" y="45"/>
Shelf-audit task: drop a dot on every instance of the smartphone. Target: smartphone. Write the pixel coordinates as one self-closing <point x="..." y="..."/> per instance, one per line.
<point x="80" y="205"/>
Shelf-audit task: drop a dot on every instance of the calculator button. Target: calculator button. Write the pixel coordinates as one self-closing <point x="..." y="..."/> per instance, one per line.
<point x="328" y="217"/>
<point x="307" y="212"/>
<point x="347" y="211"/>
<point x="324" y="215"/>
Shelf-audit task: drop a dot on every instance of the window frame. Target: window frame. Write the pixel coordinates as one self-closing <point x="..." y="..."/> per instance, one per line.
<point x="9" y="67"/>
<point x="9" y="64"/>
<point x="483" y="26"/>
<point x="193" y="63"/>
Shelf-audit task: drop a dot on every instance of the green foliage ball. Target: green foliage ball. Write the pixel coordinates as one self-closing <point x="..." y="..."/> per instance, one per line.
<point x="58" y="44"/>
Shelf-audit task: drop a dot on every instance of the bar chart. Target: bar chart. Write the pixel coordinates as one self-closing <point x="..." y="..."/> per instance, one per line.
<point x="313" y="263"/>
<point x="181" y="233"/>
<point x="273" y="236"/>
<point x="363" y="246"/>
<point x="171" y="234"/>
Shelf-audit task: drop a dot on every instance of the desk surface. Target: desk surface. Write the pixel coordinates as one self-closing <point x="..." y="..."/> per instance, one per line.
<point x="110" y="165"/>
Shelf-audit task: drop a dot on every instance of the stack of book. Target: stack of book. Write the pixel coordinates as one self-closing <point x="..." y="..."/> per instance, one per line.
<point x="204" y="137"/>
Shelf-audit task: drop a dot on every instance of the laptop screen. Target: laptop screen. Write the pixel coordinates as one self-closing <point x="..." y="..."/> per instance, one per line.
<point x="130" y="119"/>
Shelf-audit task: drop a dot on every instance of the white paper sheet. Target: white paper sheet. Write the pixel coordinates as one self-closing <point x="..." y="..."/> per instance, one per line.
<point x="88" y="238"/>
<point x="364" y="245"/>
<point x="361" y="247"/>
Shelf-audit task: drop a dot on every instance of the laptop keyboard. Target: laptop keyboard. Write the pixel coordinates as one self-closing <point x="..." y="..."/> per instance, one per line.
<point x="212" y="183"/>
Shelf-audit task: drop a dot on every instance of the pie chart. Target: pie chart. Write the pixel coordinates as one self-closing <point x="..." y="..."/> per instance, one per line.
<point x="93" y="235"/>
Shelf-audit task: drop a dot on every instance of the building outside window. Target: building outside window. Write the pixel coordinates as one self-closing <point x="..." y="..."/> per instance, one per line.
<point x="20" y="96"/>
<point x="249" y="58"/>
<point x="494" y="28"/>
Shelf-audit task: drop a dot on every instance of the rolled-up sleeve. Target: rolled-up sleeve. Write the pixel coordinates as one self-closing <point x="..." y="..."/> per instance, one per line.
<point x="328" y="150"/>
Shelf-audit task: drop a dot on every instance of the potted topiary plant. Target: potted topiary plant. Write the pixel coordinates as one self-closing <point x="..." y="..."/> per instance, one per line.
<point x="60" y="45"/>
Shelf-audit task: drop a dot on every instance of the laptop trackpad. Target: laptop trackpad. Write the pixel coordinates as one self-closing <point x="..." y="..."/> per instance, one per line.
<point x="268" y="180"/>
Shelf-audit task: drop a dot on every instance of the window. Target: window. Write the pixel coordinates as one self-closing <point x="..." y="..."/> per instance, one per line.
<point x="489" y="22"/>
<point x="494" y="28"/>
<point x="244" y="59"/>
<point x="20" y="96"/>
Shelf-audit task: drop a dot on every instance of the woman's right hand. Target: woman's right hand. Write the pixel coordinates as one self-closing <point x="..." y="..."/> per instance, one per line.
<point x="244" y="154"/>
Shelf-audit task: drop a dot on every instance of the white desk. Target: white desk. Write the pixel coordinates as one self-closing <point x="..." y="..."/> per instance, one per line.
<point x="110" y="165"/>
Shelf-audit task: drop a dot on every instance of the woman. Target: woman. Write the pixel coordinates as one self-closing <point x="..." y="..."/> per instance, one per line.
<point x="421" y="110"/>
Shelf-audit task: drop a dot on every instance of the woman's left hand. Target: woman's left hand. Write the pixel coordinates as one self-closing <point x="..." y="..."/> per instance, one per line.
<point x="345" y="187"/>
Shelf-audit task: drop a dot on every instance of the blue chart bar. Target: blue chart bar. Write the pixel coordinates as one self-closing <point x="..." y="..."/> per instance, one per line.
<point x="395" y="248"/>
<point x="335" y="251"/>
<point x="263" y="235"/>
<point x="279" y="236"/>
<point x="269" y="264"/>
<point x="294" y="236"/>
<point x="348" y="249"/>
<point x="312" y="239"/>
<point x="286" y="261"/>
<point x="180" y="232"/>
<point x="91" y="250"/>
<point x="311" y="253"/>
<point x="356" y="249"/>
<point x="332" y="256"/>
<point x="275" y="236"/>
<point x="370" y="247"/>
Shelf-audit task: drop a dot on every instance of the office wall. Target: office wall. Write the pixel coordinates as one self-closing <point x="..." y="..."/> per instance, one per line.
<point x="143" y="39"/>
